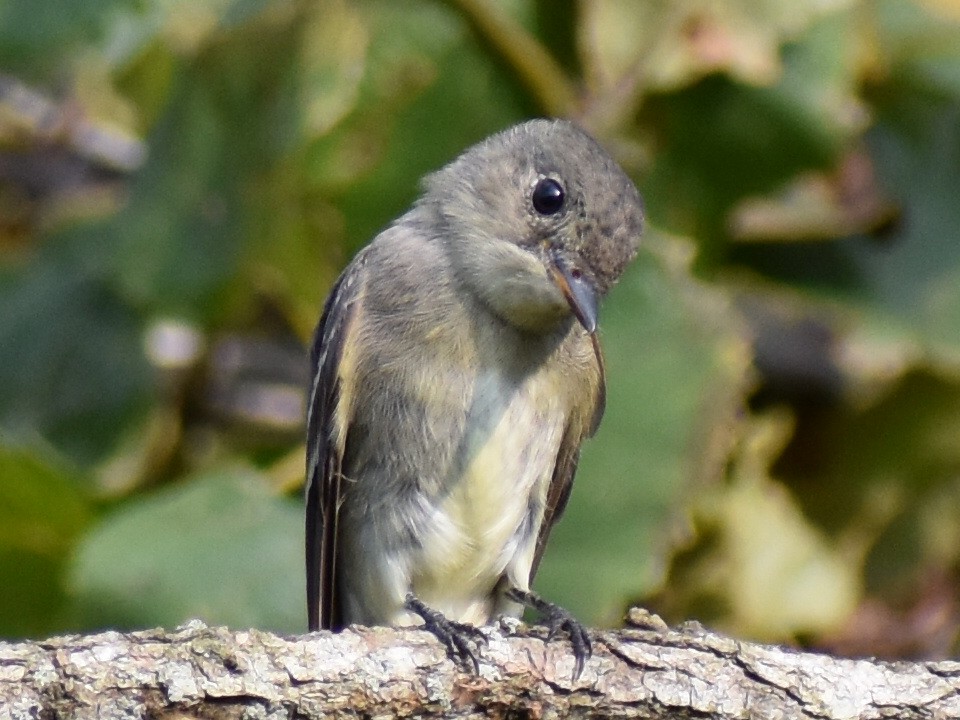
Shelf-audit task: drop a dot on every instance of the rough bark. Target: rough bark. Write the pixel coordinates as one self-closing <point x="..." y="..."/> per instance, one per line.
<point x="644" y="671"/>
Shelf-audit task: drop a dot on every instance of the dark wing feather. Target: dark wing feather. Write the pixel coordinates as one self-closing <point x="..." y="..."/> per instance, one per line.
<point x="325" y="447"/>
<point x="567" y="458"/>
<point x="557" y="494"/>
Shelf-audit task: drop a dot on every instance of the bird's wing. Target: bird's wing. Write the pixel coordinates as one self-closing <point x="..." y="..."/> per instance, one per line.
<point x="328" y="417"/>
<point x="567" y="458"/>
<point x="558" y="493"/>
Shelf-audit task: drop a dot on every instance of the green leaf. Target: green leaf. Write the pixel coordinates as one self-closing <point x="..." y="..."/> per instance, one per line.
<point x="722" y="142"/>
<point x="219" y="547"/>
<point x="35" y="39"/>
<point x="227" y="117"/>
<point x="920" y="44"/>
<point x="905" y="285"/>
<point x="432" y="92"/>
<point x="71" y="364"/>
<point x="912" y="277"/>
<point x="881" y="476"/>
<point x="42" y="510"/>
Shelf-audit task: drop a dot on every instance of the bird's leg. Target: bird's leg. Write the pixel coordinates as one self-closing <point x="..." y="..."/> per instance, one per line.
<point x="456" y="636"/>
<point x="557" y="619"/>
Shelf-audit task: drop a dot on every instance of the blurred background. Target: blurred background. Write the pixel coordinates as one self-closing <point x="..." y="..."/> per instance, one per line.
<point x="182" y="181"/>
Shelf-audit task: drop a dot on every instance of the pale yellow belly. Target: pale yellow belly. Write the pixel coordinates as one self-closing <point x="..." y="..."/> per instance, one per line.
<point x="477" y="530"/>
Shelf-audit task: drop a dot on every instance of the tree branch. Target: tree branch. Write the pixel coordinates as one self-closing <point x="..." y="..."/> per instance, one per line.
<point x="644" y="672"/>
<point x="530" y="61"/>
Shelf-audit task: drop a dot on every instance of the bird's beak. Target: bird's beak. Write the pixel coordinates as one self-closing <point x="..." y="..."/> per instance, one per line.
<point x="581" y="297"/>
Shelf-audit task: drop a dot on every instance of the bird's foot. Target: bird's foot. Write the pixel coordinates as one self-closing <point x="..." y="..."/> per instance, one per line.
<point x="459" y="638"/>
<point x="557" y="619"/>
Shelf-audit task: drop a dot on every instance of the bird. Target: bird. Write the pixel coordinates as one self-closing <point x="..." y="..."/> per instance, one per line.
<point x="455" y="372"/>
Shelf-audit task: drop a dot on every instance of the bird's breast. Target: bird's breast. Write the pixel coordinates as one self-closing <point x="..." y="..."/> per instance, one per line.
<point x="488" y="513"/>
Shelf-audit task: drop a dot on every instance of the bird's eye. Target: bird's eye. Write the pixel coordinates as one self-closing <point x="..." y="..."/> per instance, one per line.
<point x="548" y="196"/>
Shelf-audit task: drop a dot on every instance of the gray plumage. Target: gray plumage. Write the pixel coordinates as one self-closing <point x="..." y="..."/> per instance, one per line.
<point x="455" y="374"/>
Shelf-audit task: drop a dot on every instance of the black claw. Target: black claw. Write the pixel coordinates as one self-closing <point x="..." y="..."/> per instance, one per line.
<point x="557" y="619"/>
<point x="456" y="636"/>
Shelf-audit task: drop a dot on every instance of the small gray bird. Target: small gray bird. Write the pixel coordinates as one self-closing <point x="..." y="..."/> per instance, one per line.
<point x="456" y="371"/>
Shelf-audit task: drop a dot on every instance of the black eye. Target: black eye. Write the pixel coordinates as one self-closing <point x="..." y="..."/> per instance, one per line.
<point x="548" y="196"/>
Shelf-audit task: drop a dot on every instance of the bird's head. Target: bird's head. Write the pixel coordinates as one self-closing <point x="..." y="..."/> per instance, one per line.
<point x="539" y="222"/>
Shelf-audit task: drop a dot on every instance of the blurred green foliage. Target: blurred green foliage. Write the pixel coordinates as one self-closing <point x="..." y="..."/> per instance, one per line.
<point x="181" y="182"/>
